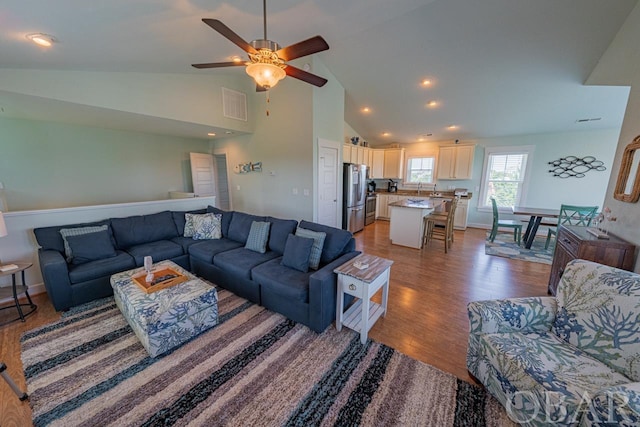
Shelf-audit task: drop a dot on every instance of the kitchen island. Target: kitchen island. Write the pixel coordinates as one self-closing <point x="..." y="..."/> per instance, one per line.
<point x="407" y="223"/>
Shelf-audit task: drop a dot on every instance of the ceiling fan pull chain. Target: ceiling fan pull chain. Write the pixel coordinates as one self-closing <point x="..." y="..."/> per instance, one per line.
<point x="268" y="101"/>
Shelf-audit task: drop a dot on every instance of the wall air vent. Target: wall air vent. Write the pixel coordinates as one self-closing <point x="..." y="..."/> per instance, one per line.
<point x="595" y="119"/>
<point x="234" y="104"/>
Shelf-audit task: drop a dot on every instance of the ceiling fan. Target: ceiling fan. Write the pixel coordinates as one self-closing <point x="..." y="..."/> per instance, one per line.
<point x="267" y="61"/>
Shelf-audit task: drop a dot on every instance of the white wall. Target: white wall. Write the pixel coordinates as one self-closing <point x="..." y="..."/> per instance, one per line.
<point x="620" y="65"/>
<point x="52" y="165"/>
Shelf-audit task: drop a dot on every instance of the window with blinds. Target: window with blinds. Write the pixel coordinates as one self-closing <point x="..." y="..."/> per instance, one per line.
<point x="505" y="175"/>
<point x="420" y="170"/>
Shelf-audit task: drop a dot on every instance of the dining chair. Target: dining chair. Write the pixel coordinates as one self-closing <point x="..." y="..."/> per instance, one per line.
<point x="497" y="223"/>
<point x="572" y="215"/>
<point x="439" y="226"/>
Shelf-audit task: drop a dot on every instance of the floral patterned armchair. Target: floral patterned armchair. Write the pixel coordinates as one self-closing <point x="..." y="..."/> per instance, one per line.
<point x="573" y="359"/>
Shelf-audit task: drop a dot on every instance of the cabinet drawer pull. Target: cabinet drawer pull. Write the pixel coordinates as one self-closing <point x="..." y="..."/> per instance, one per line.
<point x="566" y="241"/>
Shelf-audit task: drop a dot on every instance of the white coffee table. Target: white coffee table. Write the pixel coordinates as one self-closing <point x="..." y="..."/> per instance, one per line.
<point x="362" y="284"/>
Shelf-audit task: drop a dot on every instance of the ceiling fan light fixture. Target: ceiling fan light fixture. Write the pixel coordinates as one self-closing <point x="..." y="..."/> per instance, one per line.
<point x="265" y="75"/>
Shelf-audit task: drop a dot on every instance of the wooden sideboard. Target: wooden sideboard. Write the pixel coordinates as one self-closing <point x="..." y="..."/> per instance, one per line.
<point x="575" y="242"/>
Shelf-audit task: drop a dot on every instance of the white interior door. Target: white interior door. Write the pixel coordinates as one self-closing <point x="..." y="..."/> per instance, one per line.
<point x="203" y="174"/>
<point x="328" y="183"/>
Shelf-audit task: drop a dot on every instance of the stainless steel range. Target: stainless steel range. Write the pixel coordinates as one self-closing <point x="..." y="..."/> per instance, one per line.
<point x="370" y="208"/>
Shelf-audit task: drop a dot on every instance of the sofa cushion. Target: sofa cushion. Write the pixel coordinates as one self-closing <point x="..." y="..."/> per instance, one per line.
<point x="91" y="246"/>
<point x="318" y="238"/>
<point x="206" y="226"/>
<point x="258" y="236"/>
<point x="78" y="231"/>
<point x="136" y="230"/>
<point x="159" y="251"/>
<point x="598" y="311"/>
<point x="205" y="250"/>
<point x="290" y="284"/>
<point x="185" y="242"/>
<point x="179" y="219"/>
<point x="336" y="242"/>
<point x="240" y="261"/>
<point x="531" y="365"/>
<point x="297" y="252"/>
<point x="280" y="230"/>
<point x="100" y="268"/>
<point x="241" y="225"/>
<point x="49" y="238"/>
<point x="226" y="218"/>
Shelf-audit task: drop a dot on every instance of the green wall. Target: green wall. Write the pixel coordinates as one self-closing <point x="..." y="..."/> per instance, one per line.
<point x="52" y="165"/>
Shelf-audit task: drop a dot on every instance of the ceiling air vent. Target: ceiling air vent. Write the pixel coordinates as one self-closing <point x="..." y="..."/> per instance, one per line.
<point x="234" y="104"/>
<point x="595" y="119"/>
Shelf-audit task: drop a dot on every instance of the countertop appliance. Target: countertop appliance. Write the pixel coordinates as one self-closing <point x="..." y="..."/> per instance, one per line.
<point x="462" y="192"/>
<point x="372" y="186"/>
<point x="370" y="208"/>
<point x="392" y="187"/>
<point x="354" y="196"/>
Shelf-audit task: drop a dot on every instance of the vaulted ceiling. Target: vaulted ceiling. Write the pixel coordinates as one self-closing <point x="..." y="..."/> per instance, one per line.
<point x="496" y="67"/>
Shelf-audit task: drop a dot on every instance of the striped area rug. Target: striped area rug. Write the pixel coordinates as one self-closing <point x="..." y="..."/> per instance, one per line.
<point x="255" y="368"/>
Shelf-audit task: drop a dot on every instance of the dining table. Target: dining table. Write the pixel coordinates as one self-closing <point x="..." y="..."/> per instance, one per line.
<point x="536" y="215"/>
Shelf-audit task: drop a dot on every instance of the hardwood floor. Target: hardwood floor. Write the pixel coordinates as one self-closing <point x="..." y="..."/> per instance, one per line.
<point x="426" y="318"/>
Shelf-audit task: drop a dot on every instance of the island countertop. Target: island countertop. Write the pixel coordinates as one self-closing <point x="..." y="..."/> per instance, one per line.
<point x="427" y="203"/>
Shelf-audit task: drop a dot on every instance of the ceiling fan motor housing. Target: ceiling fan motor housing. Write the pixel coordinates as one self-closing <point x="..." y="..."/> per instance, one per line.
<point x="265" y="44"/>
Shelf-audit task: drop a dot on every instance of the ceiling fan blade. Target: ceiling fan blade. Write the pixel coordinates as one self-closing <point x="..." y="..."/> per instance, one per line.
<point x="303" y="48"/>
<point x="260" y="88"/>
<point x="218" y="64"/>
<point x="304" y="76"/>
<point x="228" y="33"/>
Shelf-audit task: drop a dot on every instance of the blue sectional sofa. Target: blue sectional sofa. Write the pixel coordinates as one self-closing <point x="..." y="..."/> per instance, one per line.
<point x="308" y="297"/>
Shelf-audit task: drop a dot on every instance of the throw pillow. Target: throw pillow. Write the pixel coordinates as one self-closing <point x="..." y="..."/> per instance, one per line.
<point x="91" y="247"/>
<point x="66" y="232"/>
<point x="296" y="253"/>
<point x="207" y="226"/>
<point x="189" y="227"/>
<point x="258" y="236"/>
<point x="318" y="242"/>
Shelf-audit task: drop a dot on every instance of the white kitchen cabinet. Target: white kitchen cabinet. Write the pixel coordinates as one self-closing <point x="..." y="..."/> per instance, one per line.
<point x="393" y="163"/>
<point x="346" y="153"/>
<point x="382" y="206"/>
<point x="460" y="218"/>
<point x="456" y="162"/>
<point x="377" y="164"/>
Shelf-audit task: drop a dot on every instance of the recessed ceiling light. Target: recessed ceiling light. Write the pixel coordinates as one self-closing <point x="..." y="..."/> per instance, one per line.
<point x="41" y="39"/>
<point x="211" y="134"/>
<point x="432" y="104"/>
<point x="426" y="82"/>
<point x="452" y="127"/>
<point x="366" y="110"/>
<point x="228" y="132"/>
<point x="386" y="134"/>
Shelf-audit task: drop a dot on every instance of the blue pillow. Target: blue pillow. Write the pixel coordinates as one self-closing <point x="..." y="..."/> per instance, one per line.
<point x="296" y="253"/>
<point x="91" y="247"/>
<point x="318" y="243"/>
<point x="258" y="236"/>
<point x="67" y="232"/>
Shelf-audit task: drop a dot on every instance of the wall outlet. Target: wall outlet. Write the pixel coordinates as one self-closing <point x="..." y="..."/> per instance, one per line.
<point x="238" y="187"/>
<point x="306" y="192"/>
<point x="294" y="191"/>
<point x="272" y="173"/>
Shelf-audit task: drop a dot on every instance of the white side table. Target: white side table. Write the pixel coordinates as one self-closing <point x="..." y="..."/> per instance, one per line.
<point x="362" y="284"/>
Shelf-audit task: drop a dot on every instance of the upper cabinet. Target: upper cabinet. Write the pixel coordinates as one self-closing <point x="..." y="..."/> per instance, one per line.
<point x="393" y="163"/>
<point x="456" y="162"/>
<point x="376" y="164"/>
<point x="355" y="154"/>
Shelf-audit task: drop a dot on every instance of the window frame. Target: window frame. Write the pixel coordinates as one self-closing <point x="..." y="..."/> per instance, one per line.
<point x="484" y="179"/>
<point x="407" y="174"/>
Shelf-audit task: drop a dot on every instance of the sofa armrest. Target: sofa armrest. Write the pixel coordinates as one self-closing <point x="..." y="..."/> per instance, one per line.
<point x="323" y="291"/>
<point x="617" y="405"/>
<point x="533" y="314"/>
<point x="55" y="273"/>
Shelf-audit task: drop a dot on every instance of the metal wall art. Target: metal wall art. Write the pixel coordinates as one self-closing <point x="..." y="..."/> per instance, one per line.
<point x="248" y="167"/>
<point x="576" y="167"/>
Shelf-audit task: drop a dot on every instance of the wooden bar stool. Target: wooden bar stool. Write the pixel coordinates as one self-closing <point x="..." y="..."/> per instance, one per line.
<point x="440" y="226"/>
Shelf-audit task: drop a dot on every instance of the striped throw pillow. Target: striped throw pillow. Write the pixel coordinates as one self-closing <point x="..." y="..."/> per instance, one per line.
<point x="258" y="236"/>
<point x="318" y="243"/>
<point x="67" y="232"/>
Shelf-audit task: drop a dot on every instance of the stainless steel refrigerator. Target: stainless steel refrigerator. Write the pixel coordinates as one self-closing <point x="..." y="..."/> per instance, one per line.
<point x="354" y="196"/>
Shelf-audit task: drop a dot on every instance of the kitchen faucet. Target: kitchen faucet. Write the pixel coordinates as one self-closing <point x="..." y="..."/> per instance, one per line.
<point x="419" y="187"/>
